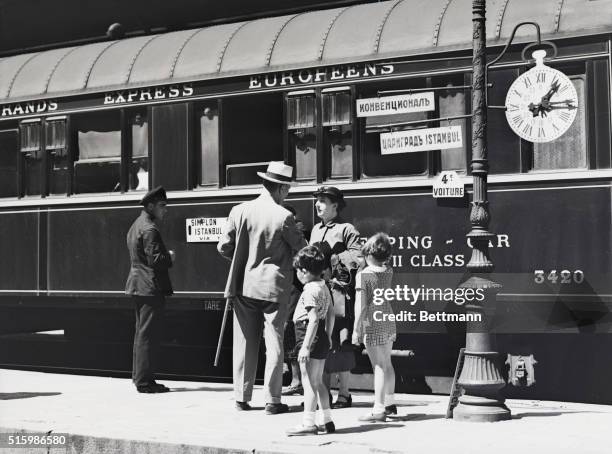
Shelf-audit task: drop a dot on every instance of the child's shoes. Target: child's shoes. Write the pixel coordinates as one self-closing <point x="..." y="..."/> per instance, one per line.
<point x="302" y="430"/>
<point x="327" y="428"/>
<point x="390" y="410"/>
<point x="374" y="417"/>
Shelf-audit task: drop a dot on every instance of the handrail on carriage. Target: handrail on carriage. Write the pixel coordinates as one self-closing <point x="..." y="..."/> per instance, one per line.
<point x="388" y="126"/>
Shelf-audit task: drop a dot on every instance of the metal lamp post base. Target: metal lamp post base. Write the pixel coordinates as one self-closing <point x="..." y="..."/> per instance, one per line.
<point x="482" y="381"/>
<point x="480" y="409"/>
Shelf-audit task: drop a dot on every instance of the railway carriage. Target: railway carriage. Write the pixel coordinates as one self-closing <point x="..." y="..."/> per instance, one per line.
<point x="85" y="130"/>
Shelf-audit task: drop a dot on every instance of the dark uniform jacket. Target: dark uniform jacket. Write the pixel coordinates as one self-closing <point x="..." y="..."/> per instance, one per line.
<point x="149" y="260"/>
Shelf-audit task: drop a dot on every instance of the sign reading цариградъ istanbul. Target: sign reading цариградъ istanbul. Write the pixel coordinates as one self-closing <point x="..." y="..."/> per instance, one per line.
<point x="413" y="140"/>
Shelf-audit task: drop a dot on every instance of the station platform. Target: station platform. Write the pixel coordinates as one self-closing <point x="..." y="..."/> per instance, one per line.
<point x="107" y="415"/>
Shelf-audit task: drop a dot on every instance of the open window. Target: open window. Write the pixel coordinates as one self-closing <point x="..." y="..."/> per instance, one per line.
<point x="138" y="126"/>
<point x="570" y="150"/>
<point x="9" y="152"/>
<point x="97" y="163"/>
<point x="207" y="115"/>
<point x="451" y="103"/>
<point x="373" y="162"/>
<point x="251" y="136"/>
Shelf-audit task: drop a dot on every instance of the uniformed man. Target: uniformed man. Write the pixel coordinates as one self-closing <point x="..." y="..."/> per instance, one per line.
<point x="148" y="284"/>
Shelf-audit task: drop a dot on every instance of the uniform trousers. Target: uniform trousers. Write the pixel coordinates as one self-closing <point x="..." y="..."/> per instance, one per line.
<point x="149" y="311"/>
<point x="252" y="318"/>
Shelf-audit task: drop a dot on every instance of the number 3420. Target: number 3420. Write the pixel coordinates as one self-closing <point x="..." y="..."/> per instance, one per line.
<point x="564" y="277"/>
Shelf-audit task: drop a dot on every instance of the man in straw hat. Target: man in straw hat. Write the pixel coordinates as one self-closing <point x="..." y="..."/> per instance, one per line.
<point x="148" y="283"/>
<point x="260" y="239"/>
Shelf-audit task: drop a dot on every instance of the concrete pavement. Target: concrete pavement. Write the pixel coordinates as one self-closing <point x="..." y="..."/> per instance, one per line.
<point x="107" y="415"/>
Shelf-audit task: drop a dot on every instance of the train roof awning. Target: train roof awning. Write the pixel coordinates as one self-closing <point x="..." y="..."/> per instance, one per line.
<point x="354" y="33"/>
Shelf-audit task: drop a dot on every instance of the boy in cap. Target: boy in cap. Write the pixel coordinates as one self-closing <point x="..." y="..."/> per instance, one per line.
<point x="148" y="284"/>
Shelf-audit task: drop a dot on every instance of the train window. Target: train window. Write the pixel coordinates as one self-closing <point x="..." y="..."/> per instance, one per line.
<point x="139" y="159"/>
<point x="209" y="144"/>
<point x="373" y="162"/>
<point x="451" y="103"/>
<point x="251" y="136"/>
<point x="57" y="149"/>
<point x="302" y="133"/>
<point x="301" y="110"/>
<point x="503" y="144"/>
<point x="338" y="131"/>
<point x="97" y="166"/>
<point x="9" y="143"/>
<point x="568" y="151"/>
<point x="32" y="156"/>
<point x="336" y="107"/>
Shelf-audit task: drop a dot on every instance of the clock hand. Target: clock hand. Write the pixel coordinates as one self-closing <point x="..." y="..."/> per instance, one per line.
<point x="554" y="87"/>
<point x="565" y="101"/>
<point x="534" y="108"/>
<point x="568" y="106"/>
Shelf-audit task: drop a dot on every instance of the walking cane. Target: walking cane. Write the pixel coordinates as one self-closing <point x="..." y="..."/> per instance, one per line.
<point x="225" y="312"/>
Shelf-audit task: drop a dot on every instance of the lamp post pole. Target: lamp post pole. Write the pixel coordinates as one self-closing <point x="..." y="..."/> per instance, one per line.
<point x="480" y="377"/>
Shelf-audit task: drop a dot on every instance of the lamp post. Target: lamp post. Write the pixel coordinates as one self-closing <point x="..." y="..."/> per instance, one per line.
<point x="480" y="376"/>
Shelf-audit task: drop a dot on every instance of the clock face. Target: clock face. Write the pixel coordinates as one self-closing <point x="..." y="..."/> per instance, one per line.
<point x="541" y="104"/>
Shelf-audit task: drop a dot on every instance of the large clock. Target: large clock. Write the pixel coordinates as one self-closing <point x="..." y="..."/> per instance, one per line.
<point x="541" y="104"/>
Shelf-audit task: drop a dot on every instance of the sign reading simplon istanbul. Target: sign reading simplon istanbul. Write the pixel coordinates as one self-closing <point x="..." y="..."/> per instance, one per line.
<point x="414" y="140"/>
<point x="204" y="230"/>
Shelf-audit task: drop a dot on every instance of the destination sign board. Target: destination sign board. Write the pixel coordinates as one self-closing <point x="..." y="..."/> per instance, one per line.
<point x="204" y="230"/>
<point x="414" y="140"/>
<point x="401" y="104"/>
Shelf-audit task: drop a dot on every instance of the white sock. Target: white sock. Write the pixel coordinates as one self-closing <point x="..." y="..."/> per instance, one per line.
<point x="389" y="399"/>
<point x="378" y="409"/>
<point x="308" y="419"/>
<point x="324" y="416"/>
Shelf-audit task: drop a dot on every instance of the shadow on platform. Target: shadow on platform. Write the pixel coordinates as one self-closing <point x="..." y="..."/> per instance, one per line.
<point x="550" y="413"/>
<point x="201" y="388"/>
<point x="398" y="403"/>
<point x="366" y="428"/>
<point x="24" y="395"/>
<point x="415" y="417"/>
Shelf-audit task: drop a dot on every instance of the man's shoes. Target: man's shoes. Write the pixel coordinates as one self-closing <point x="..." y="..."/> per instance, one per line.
<point x="242" y="406"/>
<point x="161" y="388"/>
<point x="276" y="409"/>
<point x="293" y="390"/>
<point x="390" y="410"/>
<point x="152" y="388"/>
<point x="302" y="430"/>
<point x="327" y="428"/>
<point x="374" y="417"/>
<point x="346" y="402"/>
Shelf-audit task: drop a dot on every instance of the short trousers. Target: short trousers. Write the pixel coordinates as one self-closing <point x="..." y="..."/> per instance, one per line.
<point x="320" y="345"/>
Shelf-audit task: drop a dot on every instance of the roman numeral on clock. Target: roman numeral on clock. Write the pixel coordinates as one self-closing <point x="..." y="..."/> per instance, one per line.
<point x="527" y="129"/>
<point x="541" y="78"/>
<point x="541" y="132"/>
<point x="565" y="116"/>
<point x="527" y="82"/>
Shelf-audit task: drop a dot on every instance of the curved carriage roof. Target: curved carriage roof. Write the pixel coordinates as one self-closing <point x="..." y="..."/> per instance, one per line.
<point x="355" y="33"/>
